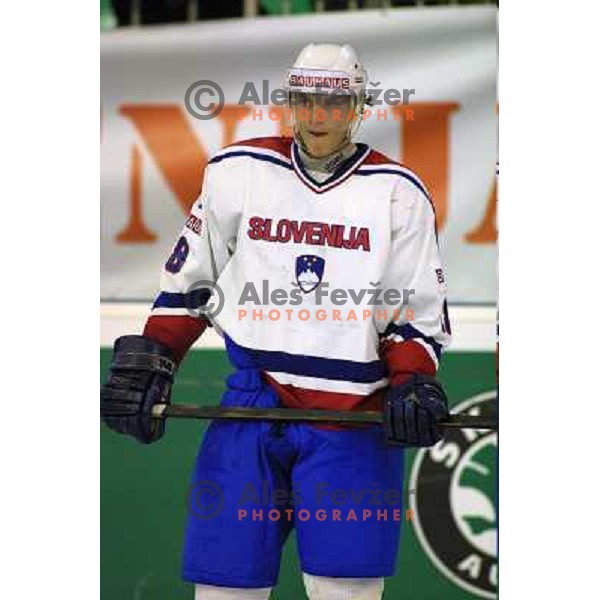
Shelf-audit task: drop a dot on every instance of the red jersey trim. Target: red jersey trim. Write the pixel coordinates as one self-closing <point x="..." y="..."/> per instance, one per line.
<point x="303" y="398"/>
<point x="177" y="332"/>
<point x="378" y="158"/>
<point x="406" y="358"/>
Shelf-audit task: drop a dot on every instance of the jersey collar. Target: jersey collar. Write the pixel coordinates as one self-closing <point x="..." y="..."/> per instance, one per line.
<point x="344" y="170"/>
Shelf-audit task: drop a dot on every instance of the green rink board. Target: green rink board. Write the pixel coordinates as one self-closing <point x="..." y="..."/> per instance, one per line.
<point x="143" y="495"/>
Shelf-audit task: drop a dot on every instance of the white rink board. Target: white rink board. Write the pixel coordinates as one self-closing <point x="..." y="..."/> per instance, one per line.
<point x="473" y="327"/>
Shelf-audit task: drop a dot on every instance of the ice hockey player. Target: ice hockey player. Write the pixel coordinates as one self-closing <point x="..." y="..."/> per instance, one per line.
<point x="299" y="213"/>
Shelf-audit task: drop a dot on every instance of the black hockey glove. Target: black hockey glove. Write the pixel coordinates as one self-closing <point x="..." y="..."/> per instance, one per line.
<point x="412" y="411"/>
<point x="141" y="375"/>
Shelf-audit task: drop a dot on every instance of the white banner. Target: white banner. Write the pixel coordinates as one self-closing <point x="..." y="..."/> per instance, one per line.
<point x="154" y="149"/>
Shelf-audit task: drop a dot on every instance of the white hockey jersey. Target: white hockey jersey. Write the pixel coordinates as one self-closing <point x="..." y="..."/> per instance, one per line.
<point x="313" y="274"/>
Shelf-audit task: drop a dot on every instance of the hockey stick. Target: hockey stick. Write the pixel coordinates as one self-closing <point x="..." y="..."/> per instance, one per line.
<point x="186" y="411"/>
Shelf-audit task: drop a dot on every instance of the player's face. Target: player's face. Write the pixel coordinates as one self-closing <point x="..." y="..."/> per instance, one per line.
<point x="322" y="121"/>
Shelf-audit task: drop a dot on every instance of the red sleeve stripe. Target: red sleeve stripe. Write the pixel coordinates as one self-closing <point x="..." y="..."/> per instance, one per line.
<point x="176" y="332"/>
<point x="406" y="358"/>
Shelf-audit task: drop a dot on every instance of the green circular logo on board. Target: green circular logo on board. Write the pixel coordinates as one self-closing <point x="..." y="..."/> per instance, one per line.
<point x="454" y="502"/>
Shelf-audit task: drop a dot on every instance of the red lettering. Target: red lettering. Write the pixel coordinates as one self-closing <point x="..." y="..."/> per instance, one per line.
<point x="283" y="231"/>
<point x="362" y="239"/>
<point x="256" y="225"/>
<point x="307" y="232"/>
<point x="267" y="231"/>
<point x="350" y="242"/>
<point x="298" y="232"/>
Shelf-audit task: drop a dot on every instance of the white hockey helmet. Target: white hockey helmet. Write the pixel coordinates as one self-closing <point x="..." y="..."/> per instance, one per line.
<point x="327" y="69"/>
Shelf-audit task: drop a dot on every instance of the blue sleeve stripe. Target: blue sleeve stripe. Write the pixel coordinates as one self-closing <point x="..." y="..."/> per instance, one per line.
<point x="307" y="366"/>
<point x="408" y="332"/>
<point x="195" y="299"/>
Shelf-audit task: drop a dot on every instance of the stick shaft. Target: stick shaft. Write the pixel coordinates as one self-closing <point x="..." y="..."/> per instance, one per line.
<point x="184" y="411"/>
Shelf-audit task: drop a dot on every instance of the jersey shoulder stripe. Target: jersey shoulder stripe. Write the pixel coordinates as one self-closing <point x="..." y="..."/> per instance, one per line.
<point x="378" y="163"/>
<point x="281" y="145"/>
<point x="269" y="149"/>
<point x="378" y="158"/>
